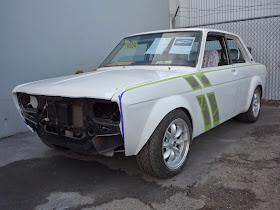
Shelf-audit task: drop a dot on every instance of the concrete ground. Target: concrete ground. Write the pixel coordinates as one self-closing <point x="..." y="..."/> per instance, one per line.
<point x="235" y="165"/>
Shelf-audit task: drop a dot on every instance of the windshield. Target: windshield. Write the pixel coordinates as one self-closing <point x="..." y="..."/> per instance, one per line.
<point x="179" y="49"/>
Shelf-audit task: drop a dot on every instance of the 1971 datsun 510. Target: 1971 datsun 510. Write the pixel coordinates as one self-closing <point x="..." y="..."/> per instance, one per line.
<point x="151" y="96"/>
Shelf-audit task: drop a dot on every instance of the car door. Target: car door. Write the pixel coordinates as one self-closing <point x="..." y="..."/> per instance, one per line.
<point x="219" y="82"/>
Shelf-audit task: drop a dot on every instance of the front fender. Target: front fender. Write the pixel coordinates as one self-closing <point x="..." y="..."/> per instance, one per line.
<point x="140" y="119"/>
<point x="157" y="112"/>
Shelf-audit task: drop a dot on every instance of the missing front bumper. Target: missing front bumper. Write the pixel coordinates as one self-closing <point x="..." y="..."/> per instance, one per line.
<point x="88" y="145"/>
<point x="87" y="126"/>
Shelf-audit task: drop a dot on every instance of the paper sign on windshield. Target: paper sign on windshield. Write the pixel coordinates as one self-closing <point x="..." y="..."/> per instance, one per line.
<point x="182" y="45"/>
<point x="158" y="46"/>
<point x="131" y="45"/>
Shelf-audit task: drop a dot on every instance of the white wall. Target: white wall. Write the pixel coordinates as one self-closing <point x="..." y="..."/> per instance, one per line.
<point x="44" y="39"/>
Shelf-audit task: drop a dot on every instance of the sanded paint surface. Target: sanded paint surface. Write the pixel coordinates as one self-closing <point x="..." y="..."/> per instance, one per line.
<point x="214" y="108"/>
<point x="205" y="111"/>
<point x="204" y="80"/>
<point x="192" y="82"/>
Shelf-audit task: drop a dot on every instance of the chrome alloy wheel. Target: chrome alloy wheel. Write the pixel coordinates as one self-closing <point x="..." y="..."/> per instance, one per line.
<point x="176" y="143"/>
<point x="256" y="103"/>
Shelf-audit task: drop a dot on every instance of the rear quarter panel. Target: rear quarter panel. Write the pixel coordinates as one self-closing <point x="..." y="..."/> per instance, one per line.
<point x="249" y="78"/>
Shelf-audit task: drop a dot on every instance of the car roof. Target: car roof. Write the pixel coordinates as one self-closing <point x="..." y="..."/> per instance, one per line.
<point x="203" y="30"/>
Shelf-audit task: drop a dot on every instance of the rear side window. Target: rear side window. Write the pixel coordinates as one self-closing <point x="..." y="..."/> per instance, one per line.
<point x="235" y="52"/>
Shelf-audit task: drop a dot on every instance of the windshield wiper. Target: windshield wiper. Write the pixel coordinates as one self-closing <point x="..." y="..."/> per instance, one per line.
<point x="120" y="64"/>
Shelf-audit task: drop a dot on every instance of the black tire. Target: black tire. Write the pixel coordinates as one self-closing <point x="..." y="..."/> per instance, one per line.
<point x="150" y="158"/>
<point x="249" y="117"/>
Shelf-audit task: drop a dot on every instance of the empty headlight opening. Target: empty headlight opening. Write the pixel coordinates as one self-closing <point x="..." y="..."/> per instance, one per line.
<point x="107" y="111"/>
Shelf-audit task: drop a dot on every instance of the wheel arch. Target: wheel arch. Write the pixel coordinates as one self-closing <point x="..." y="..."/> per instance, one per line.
<point x="157" y="113"/>
<point x="187" y="113"/>
<point x="255" y="82"/>
<point x="261" y="89"/>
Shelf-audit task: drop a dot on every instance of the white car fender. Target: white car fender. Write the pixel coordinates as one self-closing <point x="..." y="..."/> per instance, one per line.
<point x="255" y="82"/>
<point x="144" y="108"/>
<point x="160" y="109"/>
<point x="141" y="123"/>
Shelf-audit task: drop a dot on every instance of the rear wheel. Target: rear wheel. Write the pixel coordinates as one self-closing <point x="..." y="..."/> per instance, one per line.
<point x="253" y="112"/>
<point x="167" y="150"/>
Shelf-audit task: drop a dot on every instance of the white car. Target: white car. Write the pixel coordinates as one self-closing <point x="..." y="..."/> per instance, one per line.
<point x="151" y="96"/>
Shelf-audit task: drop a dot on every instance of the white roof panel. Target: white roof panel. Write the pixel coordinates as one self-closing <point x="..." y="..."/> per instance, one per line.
<point x="204" y="30"/>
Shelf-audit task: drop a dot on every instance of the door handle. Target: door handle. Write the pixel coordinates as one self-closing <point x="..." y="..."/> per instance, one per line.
<point x="233" y="70"/>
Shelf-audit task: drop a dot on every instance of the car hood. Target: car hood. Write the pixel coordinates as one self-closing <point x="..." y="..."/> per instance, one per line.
<point x="101" y="84"/>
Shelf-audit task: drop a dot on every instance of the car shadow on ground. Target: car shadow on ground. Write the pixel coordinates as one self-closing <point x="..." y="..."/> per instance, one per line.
<point x="26" y="184"/>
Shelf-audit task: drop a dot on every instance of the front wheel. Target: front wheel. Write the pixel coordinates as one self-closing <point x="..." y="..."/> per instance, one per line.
<point x="253" y="112"/>
<point x="167" y="150"/>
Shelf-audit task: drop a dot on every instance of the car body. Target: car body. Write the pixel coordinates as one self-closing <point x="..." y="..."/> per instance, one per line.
<point x="134" y="91"/>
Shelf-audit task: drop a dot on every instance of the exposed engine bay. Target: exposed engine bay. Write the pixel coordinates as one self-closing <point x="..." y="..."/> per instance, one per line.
<point x="87" y="126"/>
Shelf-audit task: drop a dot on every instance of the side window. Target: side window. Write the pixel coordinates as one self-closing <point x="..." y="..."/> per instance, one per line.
<point x="235" y="52"/>
<point x="215" y="52"/>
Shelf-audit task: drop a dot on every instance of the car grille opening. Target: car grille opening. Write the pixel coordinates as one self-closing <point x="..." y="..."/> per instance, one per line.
<point x="77" y="116"/>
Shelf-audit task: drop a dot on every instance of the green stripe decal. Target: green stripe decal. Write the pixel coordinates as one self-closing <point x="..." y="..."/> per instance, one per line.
<point x="214" y="108"/>
<point x="192" y="82"/>
<point x="183" y="76"/>
<point x="204" y="80"/>
<point x="205" y="111"/>
<point x="151" y="83"/>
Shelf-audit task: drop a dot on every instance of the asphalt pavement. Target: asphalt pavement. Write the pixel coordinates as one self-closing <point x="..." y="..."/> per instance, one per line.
<point x="235" y="165"/>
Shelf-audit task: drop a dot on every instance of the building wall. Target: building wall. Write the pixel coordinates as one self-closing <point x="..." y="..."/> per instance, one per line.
<point x="200" y="12"/>
<point x="44" y="39"/>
